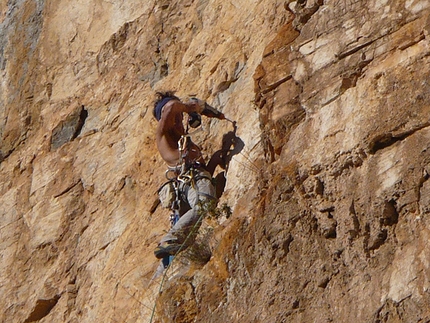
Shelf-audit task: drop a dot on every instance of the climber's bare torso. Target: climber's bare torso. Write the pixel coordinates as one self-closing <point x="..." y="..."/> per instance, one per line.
<point x="169" y="131"/>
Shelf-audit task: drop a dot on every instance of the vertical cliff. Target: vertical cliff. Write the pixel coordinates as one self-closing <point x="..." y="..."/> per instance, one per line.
<point x="323" y="217"/>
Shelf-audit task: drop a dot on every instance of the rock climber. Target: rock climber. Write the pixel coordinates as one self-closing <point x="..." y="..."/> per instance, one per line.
<point x="185" y="160"/>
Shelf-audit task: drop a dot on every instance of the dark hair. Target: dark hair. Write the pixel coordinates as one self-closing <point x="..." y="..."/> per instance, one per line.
<point x="158" y="104"/>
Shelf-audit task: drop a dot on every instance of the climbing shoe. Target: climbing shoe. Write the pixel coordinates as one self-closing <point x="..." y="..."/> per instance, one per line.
<point x="166" y="249"/>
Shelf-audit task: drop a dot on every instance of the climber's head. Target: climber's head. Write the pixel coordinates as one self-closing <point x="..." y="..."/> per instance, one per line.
<point x="162" y="99"/>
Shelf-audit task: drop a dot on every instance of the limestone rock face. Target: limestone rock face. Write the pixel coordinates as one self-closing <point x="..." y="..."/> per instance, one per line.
<point x="324" y="216"/>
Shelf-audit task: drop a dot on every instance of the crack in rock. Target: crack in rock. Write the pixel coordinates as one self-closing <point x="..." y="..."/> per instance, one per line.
<point x="42" y="308"/>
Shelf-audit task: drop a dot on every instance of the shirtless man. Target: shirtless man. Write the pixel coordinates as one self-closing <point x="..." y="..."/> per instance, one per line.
<point x="169" y="112"/>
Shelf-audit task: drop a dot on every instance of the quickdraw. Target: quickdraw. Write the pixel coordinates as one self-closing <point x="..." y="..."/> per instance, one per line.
<point x="176" y="204"/>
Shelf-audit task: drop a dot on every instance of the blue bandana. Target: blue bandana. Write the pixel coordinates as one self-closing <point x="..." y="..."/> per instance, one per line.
<point x="161" y="104"/>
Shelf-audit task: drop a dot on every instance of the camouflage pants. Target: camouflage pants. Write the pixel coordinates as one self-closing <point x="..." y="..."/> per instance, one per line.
<point x="196" y="195"/>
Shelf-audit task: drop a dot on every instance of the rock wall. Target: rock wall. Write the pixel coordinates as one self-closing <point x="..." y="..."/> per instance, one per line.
<point x="327" y="180"/>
